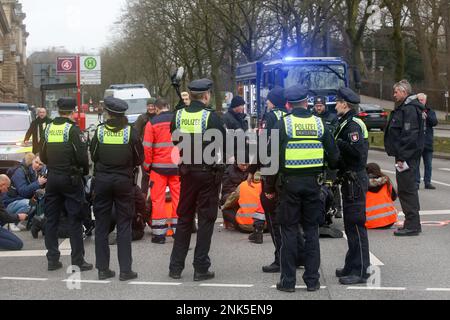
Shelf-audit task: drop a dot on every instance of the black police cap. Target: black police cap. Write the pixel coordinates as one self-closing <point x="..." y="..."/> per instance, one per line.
<point x="296" y="94"/>
<point x="320" y="100"/>
<point x="200" y="86"/>
<point x="348" y="95"/>
<point x="66" y="104"/>
<point x="115" y="105"/>
<point x="277" y="97"/>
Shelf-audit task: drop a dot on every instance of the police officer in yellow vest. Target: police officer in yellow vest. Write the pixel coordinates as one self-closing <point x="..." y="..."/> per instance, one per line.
<point x="352" y="139"/>
<point x="200" y="183"/>
<point x="305" y="145"/>
<point x="65" y="153"/>
<point x="117" y="151"/>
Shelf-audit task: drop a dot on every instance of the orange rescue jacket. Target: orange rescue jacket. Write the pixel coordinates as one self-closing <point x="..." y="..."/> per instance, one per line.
<point x="380" y="209"/>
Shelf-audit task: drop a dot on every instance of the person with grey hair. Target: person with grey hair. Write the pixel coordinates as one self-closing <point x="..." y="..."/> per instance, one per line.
<point x="431" y="121"/>
<point x="404" y="139"/>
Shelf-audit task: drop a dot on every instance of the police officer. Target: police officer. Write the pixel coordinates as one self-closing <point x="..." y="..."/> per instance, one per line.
<point x="117" y="151"/>
<point x="276" y="103"/>
<point x="65" y="153"/>
<point x="321" y="110"/>
<point x="352" y="140"/>
<point x="200" y="183"/>
<point x="305" y="144"/>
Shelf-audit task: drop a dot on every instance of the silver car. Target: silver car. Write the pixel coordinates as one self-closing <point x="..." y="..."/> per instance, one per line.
<point x="13" y="127"/>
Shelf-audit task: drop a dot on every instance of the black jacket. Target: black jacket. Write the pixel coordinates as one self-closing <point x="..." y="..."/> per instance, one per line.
<point x="61" y="158"/>
<point x="232" y="178"/>
<point x="5" y="217"/>
<point x="214" y="122"/>
<point x="235" y="121"/>
<point x="330" y="120"/>
<point x="37" y="132"/>
<point x="117" y="159"/>
<point x="431" y="122"/>
<point x="329" y="145"/>
<point x="141" y="122"/>
<point x="353" y="147"/>
<point x="404" y="136"/>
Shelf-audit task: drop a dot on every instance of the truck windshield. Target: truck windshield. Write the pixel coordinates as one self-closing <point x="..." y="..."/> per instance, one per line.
<point x="316" y="77"/>
<point x="136" y="106"/>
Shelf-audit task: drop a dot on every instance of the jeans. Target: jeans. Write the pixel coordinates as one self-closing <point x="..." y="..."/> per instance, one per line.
<point x="9" y="241"/>
<point x="427" y="156"/>
<point x="19" y="206"/>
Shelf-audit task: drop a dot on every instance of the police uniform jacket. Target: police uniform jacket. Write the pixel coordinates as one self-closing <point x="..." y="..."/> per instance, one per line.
<point x="270" y="119"/>
<point x="330" y="120"/>
<point x="120" y="159"/>
<point x="214" y="122"/>
<point x="62" y="158"/>
<point x="404" y="136"/>
<point x="331" y="154"/>
<point x="352" y="144"/>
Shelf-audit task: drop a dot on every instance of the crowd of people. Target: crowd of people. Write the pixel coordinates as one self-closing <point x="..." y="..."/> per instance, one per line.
<point x="318" y="151"/>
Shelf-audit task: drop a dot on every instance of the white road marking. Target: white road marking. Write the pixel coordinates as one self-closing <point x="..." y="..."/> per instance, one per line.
<point x="65" y="245"/>
<point x="438" y="289"/>
<point x="221" y="285"/>
<point x="378" y="288"/>
<point x="444" y="169"/>
<point x="86" y="281"/>
<point x="29" y="253"/>
<point x="155" y="283"/>
<point x="433" y="181"/>
<point x="23" y="279"/>
<point x="373" y="259"/>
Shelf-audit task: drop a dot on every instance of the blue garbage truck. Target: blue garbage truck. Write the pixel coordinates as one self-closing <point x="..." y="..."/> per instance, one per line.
<point x="323" y="76"/>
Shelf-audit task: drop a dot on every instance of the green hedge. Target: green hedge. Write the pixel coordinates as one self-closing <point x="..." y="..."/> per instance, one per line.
<point x="376" y="139"/>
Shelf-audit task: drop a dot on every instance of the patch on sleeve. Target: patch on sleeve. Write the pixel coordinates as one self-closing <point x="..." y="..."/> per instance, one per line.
<point x="354" y="136"/>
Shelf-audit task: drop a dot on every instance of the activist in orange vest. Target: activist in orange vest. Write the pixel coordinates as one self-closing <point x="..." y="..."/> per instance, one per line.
<point x="380" y="208"/>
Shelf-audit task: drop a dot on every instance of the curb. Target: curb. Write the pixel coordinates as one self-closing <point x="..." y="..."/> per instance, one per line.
<point x="442" y="156"/>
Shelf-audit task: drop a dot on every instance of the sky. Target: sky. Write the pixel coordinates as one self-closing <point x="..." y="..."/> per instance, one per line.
<point x="78" y="25"/>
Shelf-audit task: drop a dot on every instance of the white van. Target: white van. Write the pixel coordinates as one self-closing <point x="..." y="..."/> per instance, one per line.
<point x="136" y="95"/>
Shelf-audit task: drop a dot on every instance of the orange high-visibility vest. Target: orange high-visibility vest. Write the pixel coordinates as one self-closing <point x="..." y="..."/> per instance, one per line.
<point x="380" y="209"/>
<point x="249" y="202"/>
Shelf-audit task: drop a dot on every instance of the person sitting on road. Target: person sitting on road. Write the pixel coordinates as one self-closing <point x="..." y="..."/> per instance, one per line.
<point x="380" y="208"/>
<point x="26" y="179"/>
<point x="243" y="209"/>
<point x="234" y="175"/>
<point x="8" y="240"/>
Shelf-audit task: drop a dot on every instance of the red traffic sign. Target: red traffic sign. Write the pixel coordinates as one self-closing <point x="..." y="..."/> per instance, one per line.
<point x="66" y="65"/>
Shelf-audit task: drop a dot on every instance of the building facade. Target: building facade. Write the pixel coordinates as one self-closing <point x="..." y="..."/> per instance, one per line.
<point x="13" y="42"/>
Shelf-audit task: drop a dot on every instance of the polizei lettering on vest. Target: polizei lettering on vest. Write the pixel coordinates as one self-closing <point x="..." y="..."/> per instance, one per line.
<point x="305" y="129"/>
<point x="114" y="134"/>
<point x="56" y="132"/>
<point x="191" y="122"/>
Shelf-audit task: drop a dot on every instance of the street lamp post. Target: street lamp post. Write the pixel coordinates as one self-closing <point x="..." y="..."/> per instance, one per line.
<point x="381" y="82"/>
<point x="447" y="95"/>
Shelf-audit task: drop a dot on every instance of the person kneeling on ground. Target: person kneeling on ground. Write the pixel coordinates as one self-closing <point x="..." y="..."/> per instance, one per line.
<point x="380" y="208"/>
<point x="244" y="211"/>
<point x="8" y="240"/>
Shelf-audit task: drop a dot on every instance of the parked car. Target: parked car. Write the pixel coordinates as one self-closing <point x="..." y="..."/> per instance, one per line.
<point x="15" y="120"/>
<point x="374" y="116"/>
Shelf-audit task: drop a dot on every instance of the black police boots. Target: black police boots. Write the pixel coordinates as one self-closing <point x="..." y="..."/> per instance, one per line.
<point x="54" y="265"/>
<point x="84" y="266"/>
<point x="175" y="275"/>
<point x="106" y="274"/>
<point x="273" y="268"/>
<point x="37" y="225"/>
<point x="126" y="276"/>
<point x="198" y="276"/>
<point x="281" y="288"/>
<point x="406" y="233"/>
<point x="159" y="240"/>
<point x="257" y="236"/>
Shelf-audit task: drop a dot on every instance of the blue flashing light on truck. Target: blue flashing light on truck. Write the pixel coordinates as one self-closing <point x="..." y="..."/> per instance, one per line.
<point x="322" y="76"/>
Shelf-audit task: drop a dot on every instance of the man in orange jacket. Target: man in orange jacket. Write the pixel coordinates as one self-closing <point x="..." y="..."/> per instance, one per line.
<point x="158" y="148"/>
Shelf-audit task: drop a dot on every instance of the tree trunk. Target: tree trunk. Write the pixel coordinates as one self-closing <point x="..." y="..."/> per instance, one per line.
<point x="395" y="8"/>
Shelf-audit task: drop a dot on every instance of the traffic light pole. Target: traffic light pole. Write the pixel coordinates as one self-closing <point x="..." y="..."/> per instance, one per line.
<point x="79" y="90"/>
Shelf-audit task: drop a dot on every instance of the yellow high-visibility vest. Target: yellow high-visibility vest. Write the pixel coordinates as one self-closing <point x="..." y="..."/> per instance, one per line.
<point x="304" y="149"/>
<point x="192" y="123"/>
<point x="279" y="114"/>
<point x="107" y="136"/>
<point x="57" y="133"/>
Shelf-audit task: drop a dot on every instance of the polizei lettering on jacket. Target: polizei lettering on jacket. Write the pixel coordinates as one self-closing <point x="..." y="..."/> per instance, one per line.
<point x="114" y="134"/>
<point x="191" y="122"/>
<point x="56" y="132"/>
<point x="305" y="129"/>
